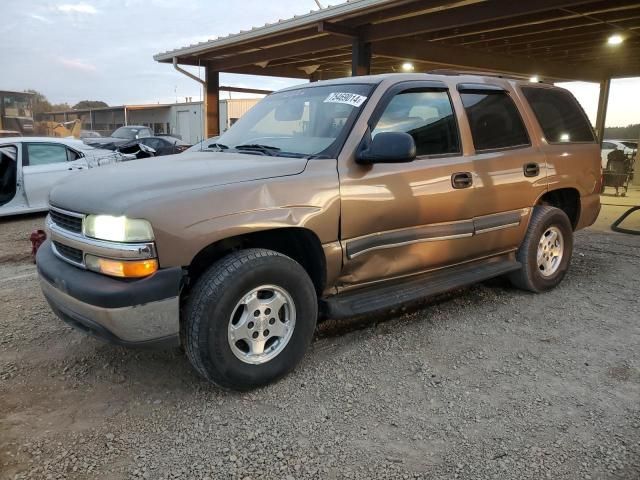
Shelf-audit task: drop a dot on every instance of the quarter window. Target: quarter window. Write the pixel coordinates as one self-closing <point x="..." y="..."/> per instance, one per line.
<point x="425" y="115"/>
<point x="494" y="120"/>
<point x="44" y="154"/>
<point x="559" y="115"/>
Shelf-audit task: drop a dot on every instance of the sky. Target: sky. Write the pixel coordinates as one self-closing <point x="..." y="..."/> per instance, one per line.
<point x="73" y="50"/>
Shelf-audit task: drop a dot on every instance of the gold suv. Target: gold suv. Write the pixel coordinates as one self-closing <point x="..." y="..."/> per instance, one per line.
<point x="330" y="199"/>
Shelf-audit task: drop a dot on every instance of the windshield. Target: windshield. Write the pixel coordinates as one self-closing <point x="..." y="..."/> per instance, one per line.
<point x="303" y="122"/>
<point x="130" y="133"/>
<point x="17" y="105"/>
<point x="632" y="145"/>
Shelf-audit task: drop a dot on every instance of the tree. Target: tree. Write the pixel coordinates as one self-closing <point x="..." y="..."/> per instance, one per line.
<point x="42" y="105"/>
<point x="630" y="132"/>
<point x="84" y="104"/>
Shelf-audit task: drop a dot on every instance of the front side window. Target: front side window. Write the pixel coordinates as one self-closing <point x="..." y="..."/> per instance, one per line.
<point x="494" y="120"/>
<point x="303" y="122"/>
<point x="559" y="115"/>
<point x="425" y="115"/>
<point x="608" y="146"/>
<point x="44" y="154"/>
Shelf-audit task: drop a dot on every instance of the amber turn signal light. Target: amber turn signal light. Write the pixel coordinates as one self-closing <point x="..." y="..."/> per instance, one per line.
<point x="122" y="268"/>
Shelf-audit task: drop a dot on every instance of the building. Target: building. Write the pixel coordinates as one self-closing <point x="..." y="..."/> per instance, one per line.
<point x="182" y="119"/>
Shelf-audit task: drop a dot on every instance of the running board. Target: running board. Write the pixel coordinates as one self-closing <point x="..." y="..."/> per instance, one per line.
<point x="387" y="295"/>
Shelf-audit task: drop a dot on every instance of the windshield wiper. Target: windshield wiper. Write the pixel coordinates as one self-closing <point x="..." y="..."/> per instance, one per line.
<point x="268" y="149"/>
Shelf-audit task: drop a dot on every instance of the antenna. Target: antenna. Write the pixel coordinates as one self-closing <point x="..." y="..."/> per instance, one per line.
<point x="319" y="4"/>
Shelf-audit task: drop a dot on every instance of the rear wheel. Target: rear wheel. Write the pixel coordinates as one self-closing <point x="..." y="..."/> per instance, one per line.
<point x="249" y="319"/>
<point x="545" y="252"/>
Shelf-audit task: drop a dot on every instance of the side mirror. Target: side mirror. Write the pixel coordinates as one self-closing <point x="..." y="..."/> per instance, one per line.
<point x="388" y="147"/>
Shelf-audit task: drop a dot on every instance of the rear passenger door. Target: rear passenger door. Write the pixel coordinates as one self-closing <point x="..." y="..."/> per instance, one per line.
<point x="569" y="144"/>
<point x="510" y="172"/>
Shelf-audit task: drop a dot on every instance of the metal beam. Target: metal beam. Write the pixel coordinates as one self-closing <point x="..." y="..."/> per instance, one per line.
<point x="460" y="17"/>
<point x="335" y="29"/>
<point x="304" y="47"/>
<point x="360" y="58"/>
<point x="466" y="58"/>
<point x="211" y="102"/>
<point x="603" y="102"/>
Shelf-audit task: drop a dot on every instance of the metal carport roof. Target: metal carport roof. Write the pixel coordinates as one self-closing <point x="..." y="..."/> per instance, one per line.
<point x="553" y="39"/>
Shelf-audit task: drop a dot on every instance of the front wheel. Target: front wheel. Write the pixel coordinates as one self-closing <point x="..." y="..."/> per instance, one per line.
<point x="249" y="319"/>
<point x="545" y="252"/>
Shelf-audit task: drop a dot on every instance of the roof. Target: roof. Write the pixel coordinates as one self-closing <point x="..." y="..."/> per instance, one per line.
<point x="555" y="39"/>
<point x="14" y="91"/>
<point x="70" y="142"/>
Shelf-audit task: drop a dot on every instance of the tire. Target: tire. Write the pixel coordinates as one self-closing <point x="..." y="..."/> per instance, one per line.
<point x="219" y="298"/>
<point x="545" y="220"/>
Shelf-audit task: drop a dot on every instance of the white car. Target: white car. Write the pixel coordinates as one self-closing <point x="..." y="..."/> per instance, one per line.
<point x="30" y="166"/>
<point x="608" y="146"/>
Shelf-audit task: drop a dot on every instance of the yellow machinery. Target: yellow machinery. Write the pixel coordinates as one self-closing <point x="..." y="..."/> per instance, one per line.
<point x="62" y="130"/>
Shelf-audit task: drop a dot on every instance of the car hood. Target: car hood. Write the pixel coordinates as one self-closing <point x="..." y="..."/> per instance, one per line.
<point x="114" y="188"/>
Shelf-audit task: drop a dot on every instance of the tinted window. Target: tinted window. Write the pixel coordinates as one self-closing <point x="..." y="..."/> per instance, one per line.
<point x="608" y="146"/>
<point x="425" y="115"/>
<point x="71" y="155"/>
<point x="494" y="120"/>
<point x="559" y="115"/>
<point x="43" y="154"/>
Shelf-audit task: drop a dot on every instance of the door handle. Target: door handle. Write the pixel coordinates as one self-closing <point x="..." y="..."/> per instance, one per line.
<point x="531" y="169"/>
<point x="462" y="180"/>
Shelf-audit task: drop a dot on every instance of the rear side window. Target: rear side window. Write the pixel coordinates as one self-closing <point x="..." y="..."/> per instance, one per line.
<point x="494" y="120"/>
<point x="425" y="115"/>
<point x="46" y="153"/>
<point x="559" y="115"/>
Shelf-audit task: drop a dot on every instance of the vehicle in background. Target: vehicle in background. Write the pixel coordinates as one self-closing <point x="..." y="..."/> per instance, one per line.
<point x="340" y="198"/>
<point x="16" y="112"/>
<point x="135" y="150"/>
<point x="120" y="136"/>
<point x="208" y="145"/>
<point x="89" y="134"/>
<point x="70" y="129"/>
<point x="627" y="147"/>
<point x="174" y="135"/>
<point x="30" y="166"/>
<point x="160" y="145"/>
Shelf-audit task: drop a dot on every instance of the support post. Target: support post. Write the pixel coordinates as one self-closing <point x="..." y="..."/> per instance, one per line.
<point x="636" y="167"/>
<point x="603" y="101"/>
<point x="360" y="58"/>
<point x="211" y="103"/>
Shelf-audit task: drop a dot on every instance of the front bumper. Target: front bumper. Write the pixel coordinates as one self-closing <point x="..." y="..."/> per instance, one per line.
<point x="126" y="312"/>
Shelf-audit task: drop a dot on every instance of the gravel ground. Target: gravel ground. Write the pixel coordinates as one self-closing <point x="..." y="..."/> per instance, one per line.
<point x="484" y="383"/>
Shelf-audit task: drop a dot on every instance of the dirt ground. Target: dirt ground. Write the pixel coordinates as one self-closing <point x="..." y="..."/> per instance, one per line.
<point x="484" y="383"/>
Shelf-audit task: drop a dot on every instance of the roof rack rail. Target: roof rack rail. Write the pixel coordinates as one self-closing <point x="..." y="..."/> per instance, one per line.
<point x="445" y="71"/>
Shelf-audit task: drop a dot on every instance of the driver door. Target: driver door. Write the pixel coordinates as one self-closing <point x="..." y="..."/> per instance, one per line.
<point x="45" y="164"/>
<point x="404" y="218"/>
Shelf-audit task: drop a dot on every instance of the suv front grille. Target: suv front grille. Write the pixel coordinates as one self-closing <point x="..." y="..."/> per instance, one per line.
<point x="70" y="253"/>
<point x="66" y="221"/>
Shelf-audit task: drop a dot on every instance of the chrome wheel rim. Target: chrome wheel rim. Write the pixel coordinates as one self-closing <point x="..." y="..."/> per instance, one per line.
<point x="550" y="251"/>
<point x="261" y="324"/>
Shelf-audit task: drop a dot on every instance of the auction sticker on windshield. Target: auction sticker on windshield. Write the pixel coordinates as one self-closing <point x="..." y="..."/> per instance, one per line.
<point x="348" y="98"/>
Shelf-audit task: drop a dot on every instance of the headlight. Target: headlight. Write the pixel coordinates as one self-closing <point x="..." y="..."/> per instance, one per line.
<point x="117" y="229"/>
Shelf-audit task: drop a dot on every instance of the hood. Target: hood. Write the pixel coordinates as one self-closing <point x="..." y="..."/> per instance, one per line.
<point x="114" y="188"/>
